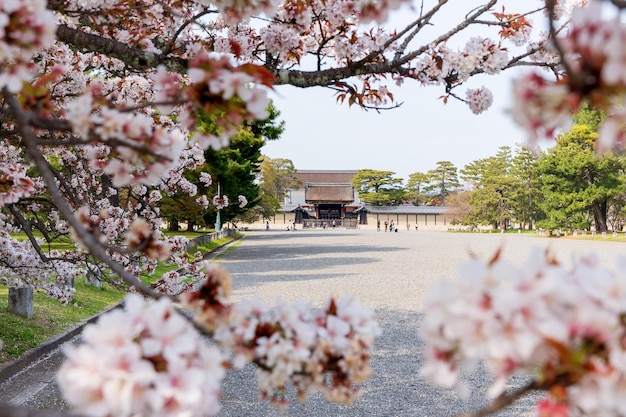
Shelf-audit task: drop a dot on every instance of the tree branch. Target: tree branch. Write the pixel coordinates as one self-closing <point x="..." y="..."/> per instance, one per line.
<point x="28" y="230"/>
<point x="506" y="399"/>
<point x="95" y="248"/>
<point x="134" y="58"/>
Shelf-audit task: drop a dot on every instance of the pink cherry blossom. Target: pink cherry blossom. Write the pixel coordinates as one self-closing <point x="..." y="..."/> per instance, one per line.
<point x="145" y="359"/>
<point x="220" y="201"/>
<point x="14" y="184"/>
<point x="563" y="323"/>
<point x="305" y="349"/>
<point x="479" y="100"/>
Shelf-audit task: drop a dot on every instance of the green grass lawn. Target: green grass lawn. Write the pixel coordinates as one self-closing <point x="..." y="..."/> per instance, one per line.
<point x="621" y="237"/>
<point x="63" y="243"/>
<point x="51" y="318"/>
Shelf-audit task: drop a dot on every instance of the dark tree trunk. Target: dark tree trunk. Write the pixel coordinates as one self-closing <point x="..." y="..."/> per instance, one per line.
<point x="174" y="226"/>
<point x="599" y="216"/>
<point x="598" y="208"/>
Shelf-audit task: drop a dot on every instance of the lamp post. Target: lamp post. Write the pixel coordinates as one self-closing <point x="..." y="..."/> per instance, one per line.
<point x="218" y="221"/>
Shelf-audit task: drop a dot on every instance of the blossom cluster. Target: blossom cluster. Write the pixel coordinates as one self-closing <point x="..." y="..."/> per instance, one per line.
<point x="139" y="236"/>
<point x="23" y="266"/>
<point x="217" y="86"/>
<point x="209" y="301"/>
<point x="220" y="201"/>
<point x="444" y="65"/>
<point x="479" y="99"/>
<point x="144" y="360"/>
<point x="326" y="351"/>
<point x="141" y="150"/>
<point x="595" y="64"/>
<point x="14" y="183"/>
<point x="26" y="27"/>
<point x="149" y="359"/>
<point x="142" y="237"/>
<point x="563" y="325"/>
<point x="366" y="10"/>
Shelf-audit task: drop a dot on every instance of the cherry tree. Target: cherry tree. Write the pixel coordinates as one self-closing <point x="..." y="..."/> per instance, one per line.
<point x="100" y="104"/>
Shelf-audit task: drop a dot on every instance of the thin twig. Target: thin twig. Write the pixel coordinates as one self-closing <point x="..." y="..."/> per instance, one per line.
<point x="505" y="400"/>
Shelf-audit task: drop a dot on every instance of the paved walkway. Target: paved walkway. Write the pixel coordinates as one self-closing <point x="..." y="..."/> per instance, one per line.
<point x="389" y="272"/>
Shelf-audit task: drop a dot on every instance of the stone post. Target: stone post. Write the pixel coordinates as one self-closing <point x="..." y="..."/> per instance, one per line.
<point x="69" y="281"/>
<point x="94" y="278"/>
<point x="21" y="301"/>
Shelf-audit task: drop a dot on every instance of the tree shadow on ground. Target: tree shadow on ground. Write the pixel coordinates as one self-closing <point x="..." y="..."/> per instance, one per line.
<point x="279" y="254"/>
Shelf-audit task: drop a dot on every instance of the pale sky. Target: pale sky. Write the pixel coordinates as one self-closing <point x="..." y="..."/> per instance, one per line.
<point x="322" y="134"/>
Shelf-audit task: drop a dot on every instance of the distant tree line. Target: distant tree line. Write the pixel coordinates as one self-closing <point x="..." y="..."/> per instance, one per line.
<point x="568" y="187"/>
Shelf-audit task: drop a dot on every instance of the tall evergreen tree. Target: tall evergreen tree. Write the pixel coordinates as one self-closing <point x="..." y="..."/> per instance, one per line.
<point x="378" y="188"/>
<point x="234" y="168"/>
<point x="493" y="186"/>
<point x="442" y="180"/>
<point x="577" y="183"/>
<point x="526" y="192"/>
<point x="415" y="188"/>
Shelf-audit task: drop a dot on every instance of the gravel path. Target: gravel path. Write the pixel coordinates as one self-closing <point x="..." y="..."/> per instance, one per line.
<point x="391" y="273"/>
<point x="388" y="272"/>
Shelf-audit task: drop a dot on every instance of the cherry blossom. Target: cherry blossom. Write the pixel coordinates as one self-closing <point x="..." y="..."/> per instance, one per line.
<point x="210" y="301"/>
<point x="14" y="184"/>
<point x="479" y="99"/>
<point x="141" y="237"/>
<point x="23" y="266"/>
<point x="205" y="178"/>
<point x="542" y="106"/>
<point x="292" y="343"/>
<point x="220" y="201"/>
<point x="26" y="27"/>
<point x="144" y="359"/>
<point x="595" y="61"/>
<point x="561" y="325"/>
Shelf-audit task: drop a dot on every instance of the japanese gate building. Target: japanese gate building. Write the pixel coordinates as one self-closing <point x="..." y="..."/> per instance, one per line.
<point x="323" y="194"/>
<point x="326" y="195"/>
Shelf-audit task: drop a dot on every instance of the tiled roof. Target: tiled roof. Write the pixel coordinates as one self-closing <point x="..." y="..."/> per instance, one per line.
<point x="327" y="193"/>
<point x="326" y="177"/>
<point x="405" y="209"/>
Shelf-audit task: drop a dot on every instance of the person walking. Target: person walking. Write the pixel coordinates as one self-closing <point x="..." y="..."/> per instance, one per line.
<point x="334" y="224"/>
<point x="267" y="225"/>
<point x="386" y="225"/>
<point x="378" y="225"/>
